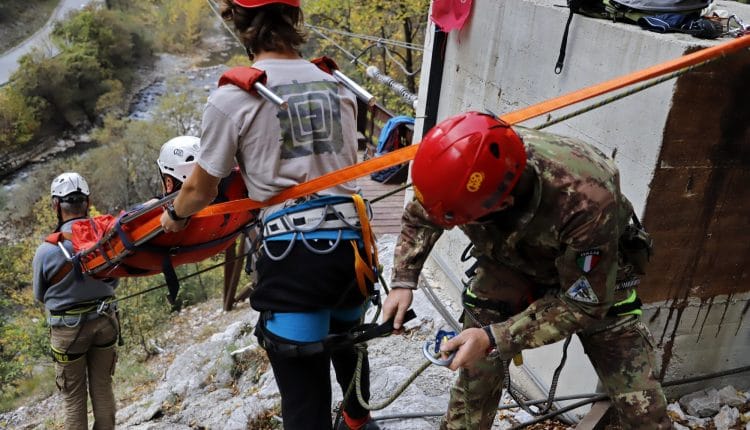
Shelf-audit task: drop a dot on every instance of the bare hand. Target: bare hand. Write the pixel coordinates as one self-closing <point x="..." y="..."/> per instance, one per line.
<point x="396" y="305"/>
<point x="169" y="225"/>
<point x="472" y="345"/>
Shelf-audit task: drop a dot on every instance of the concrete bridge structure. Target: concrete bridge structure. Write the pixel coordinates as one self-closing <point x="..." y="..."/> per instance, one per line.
<point x="683" y="149"/>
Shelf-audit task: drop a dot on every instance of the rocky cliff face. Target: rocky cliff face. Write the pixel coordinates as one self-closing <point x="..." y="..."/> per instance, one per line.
<point x="213" y="375"/>
<point x="226" y="382"/>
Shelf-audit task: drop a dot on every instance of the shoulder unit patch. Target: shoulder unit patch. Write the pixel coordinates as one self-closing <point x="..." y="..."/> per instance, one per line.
<point x="581" y="291"/>
<point x="588" y="259"/>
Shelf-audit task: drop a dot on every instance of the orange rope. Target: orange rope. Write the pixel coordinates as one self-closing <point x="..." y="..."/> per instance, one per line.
<point x="631" y="78"/>
<point x="405" y="154"/>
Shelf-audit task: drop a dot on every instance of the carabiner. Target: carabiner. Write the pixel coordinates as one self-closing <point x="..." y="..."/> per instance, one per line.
<point x="431" y="350"/>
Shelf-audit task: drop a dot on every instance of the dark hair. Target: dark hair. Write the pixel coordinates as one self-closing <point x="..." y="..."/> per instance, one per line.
<point x="273" y="27"/>
<point x="75" y="204"/>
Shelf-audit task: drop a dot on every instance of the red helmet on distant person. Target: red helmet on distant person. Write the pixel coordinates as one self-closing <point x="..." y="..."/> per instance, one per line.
<point x="466" y="166"/>
<point x="259" y="3"/>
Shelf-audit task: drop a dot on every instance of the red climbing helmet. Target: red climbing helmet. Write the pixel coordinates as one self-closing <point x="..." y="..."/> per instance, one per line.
<point x="466" y="166"/>
<point x="259" y="3"/>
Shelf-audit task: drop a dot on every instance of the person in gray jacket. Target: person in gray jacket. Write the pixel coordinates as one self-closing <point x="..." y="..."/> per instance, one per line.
<point x="83" y="326"/>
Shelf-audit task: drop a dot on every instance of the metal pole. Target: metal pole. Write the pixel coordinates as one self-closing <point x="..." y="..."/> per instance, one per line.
<point x="130" y="216"/>
<point x="270" y="96"/>
<point x="362" y="93"/>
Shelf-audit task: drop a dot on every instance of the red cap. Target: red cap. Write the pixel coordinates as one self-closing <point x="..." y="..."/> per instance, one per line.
<point x="259" y="3"/>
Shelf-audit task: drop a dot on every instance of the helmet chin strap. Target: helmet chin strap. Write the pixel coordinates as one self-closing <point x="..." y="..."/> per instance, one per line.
<point x="163" y="178"/>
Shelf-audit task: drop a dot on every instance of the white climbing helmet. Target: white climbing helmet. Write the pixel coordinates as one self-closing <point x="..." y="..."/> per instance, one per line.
<point x="177" y="156"/>
<point x="69" y="183"/>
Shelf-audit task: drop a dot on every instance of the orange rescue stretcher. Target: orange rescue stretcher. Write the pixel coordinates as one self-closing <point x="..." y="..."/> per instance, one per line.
<point x="106" y="246"/>
<point x="118" y="253"/>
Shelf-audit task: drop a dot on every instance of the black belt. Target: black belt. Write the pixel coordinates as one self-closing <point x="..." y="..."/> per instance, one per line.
<point x="361" y="333"/>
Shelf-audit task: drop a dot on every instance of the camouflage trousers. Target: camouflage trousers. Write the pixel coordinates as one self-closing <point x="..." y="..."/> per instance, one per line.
<point x="621" y="351"/>
<point x="91" y="346"/>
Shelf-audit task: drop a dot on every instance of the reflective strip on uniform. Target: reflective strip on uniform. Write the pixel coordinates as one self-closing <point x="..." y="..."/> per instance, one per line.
<point x="630" y="299"/>
<point x="63" y="357"/>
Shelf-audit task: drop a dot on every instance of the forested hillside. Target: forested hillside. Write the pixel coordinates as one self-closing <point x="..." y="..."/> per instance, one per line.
<point x="106" y="55"/>
<point x="19" y="19"/>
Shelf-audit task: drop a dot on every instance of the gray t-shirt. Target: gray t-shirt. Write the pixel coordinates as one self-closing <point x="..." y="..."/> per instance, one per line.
<point x="277" y="149"/>
<point x="70" y="291"/>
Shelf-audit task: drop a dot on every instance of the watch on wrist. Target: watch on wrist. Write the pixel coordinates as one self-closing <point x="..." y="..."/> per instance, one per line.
<point x="173" y="214"/>
<point x="493" y="343"/>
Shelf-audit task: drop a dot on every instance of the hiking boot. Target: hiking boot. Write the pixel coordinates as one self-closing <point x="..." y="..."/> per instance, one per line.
<point x="369" y="425"/>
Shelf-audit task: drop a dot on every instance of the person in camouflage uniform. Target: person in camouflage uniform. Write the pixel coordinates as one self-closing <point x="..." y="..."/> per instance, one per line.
<point x="547" y="222"/>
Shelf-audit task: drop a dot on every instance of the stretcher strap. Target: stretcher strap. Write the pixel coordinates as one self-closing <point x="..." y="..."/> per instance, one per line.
<point x="364" y="268"/>
<point x="170" y="277"/>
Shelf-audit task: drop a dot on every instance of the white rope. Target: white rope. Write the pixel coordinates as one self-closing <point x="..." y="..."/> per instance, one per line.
<point x="376" y="39"/>
<point x="352" y="56"/>
<point x="398" y="63"/>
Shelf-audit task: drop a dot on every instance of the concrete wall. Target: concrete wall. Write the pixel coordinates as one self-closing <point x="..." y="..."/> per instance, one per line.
<point x="683" y="149"/>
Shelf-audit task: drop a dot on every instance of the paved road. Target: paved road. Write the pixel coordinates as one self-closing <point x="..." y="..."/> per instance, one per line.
<point x="9" y="60"/>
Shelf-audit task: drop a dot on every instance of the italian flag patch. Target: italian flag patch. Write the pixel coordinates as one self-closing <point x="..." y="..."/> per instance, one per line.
<point x="588" y="259"/>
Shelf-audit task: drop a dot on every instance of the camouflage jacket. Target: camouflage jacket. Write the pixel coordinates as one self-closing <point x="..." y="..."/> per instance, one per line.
<point x="564" y="237"/>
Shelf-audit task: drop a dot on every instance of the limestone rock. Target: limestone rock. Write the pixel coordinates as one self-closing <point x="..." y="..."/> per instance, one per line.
<point x="675" y="412"/>
<point x="729" y="396"/>
<point x="726" y="418"/>
<point x="697" y="423"/>
<point x="704" y="403"/>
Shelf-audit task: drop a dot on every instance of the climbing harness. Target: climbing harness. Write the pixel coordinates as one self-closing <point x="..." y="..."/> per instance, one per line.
<point x="78" y="316"/>
<point x="357" y="335"/>
<point x="321" y="215"/>
<point x="334" y="218"/>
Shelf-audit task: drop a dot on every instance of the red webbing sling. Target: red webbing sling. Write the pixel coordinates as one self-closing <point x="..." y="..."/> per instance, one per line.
<point x="402" y="155"/>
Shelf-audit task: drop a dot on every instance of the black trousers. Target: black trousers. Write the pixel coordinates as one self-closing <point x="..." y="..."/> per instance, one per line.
<point x="305" y="385"/>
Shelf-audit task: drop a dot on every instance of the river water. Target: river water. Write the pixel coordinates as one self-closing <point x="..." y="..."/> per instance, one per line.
<point x="167" y="67"/>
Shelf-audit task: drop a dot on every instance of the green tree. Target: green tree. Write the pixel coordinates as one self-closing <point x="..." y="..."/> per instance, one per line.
<point x="23" y="338"/>
<point x="400" y="20"/>
<point x="112" y="37"/>
<point x="124" y="168"/>
<point x="180" y="107"/>
<point x="18" y="119"/>
<point x="113" y="101"/>
<point x="181" y="24"/>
